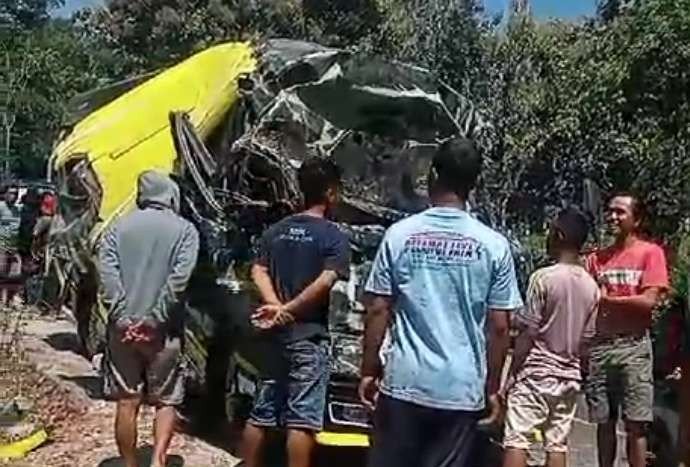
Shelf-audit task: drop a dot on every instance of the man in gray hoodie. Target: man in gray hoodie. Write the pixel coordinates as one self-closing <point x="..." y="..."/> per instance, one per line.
<point x="146" y="259"/>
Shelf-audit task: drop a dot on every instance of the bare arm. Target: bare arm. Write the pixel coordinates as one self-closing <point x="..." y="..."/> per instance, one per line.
<point x="263" y="282"/>
<point x="642" y="304"/>
<point x="628" y="314"/>
<point x="314" y="294"/>
<point x="274" y="313"/>
<point x="588" y="335"/>
<point x="498" y="344"/>
<point x="379" y="312"/>
<point x="523" y="346"/>
<point x="336" y="260"/>
<point x="336" y="264"/>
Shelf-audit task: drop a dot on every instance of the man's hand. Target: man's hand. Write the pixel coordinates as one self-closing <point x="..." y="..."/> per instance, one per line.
<point x="271" y="315"/>
<point x="369" y="391"/>
<point x="495" y="411"/>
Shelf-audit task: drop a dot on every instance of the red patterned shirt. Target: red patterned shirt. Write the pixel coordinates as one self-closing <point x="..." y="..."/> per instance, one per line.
<point x="629" y="271"/>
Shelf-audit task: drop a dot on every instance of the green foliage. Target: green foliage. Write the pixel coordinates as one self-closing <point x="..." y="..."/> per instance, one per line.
<point x="605" y="99"/>
<point x="150" y="35"/>
<point x="26" y="13"/>
<point x="43" y="63"/>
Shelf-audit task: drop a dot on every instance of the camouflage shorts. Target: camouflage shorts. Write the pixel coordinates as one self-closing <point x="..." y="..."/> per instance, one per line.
<point x="621" y="376"/>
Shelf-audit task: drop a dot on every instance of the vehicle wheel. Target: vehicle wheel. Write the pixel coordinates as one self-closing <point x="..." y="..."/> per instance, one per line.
<point x="238" y="407"/>
<point x="91" y="320"/>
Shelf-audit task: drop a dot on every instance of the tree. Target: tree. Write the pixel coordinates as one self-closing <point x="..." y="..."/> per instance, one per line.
<point x="43" y="63"/>
<point x="15" y="72"/>
<point x="26" y="14"/>
<point x="606" y="99"/>
<point x="150" y="35"/>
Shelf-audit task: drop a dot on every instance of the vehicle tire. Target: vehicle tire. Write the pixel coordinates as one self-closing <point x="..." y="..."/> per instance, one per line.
<point x="237" y="405"/>
<point x="91" y="319"/>
<point x="238" y="408"/>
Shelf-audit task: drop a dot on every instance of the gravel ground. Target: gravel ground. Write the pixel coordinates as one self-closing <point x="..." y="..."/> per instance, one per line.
<point x="64" y="388"/>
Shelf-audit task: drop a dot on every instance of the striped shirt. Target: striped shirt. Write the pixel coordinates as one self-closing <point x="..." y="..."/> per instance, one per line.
<point x="9" y="227"/>
<point x="560" y="312"/>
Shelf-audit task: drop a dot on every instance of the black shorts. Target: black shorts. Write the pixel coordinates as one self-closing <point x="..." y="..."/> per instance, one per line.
<point x="410" y="435"/>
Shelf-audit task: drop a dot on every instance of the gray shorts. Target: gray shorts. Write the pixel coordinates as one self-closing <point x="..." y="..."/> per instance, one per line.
<point x="151" y="371"/>
<point x="621" y="376"/>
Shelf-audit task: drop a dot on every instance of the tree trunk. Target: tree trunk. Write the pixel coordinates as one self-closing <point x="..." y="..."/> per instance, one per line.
<point x="8" y="135"/>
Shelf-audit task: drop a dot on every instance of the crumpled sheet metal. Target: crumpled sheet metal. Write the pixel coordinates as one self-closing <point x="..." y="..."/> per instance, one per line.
<point x="280" y="102"/>
<point x="379" y="120"/>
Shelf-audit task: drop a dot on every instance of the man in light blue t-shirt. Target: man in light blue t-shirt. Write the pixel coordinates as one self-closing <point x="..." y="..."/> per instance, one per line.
<point x="443" y="285"/>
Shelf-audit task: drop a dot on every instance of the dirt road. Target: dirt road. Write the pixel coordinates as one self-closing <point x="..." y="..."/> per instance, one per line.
<point x="87" y="439"/>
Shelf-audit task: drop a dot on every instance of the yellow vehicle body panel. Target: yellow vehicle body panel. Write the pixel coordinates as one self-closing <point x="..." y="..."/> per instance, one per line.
<point x="132" y="133"/>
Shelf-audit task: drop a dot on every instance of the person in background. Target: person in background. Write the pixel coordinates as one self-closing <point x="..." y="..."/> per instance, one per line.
<point x="300" y="259"/>
<point x="145" y="261"/>
<point x="30" y="212"/>
<point x="685" y="391"/>
<point x="36" y="220"/>
<point x="439" y="281"/>
<point x="10" y="262"/>
<point x="42" y="227"/>
<point x="556" y="324"/>
<point x="632" y="276"/>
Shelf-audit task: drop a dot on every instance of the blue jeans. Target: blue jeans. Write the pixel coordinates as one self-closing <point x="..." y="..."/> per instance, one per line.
<point x="298" y="400"/>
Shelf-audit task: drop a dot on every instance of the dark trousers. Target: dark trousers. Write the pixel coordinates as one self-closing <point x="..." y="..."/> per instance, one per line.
<point x="410" y="435"/>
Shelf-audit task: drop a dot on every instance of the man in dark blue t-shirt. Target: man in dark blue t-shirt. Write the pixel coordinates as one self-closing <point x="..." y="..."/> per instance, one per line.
<point x="300" y="259"/>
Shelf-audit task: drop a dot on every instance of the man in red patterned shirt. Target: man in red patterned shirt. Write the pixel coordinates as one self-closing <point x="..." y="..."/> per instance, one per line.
<point x="633" y="276"/>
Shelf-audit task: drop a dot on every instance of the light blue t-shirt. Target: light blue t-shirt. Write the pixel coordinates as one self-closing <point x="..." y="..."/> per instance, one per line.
<point x="444" y="270"/>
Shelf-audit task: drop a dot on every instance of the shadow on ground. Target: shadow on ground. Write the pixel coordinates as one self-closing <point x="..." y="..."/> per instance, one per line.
<point x="64" y="342"/>
<point x="227" y="436"/>
<point x="93" y="385"/>
<point x="143" y="458"/>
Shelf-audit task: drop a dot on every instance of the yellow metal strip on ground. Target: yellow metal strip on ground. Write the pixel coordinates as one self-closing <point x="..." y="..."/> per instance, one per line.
<point x="353" y="440"/>
<point x="21" y="448"/>
<point x="132" y="133"/>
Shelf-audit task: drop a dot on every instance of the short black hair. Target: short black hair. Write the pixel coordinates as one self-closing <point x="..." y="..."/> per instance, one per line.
<point x="315" y="177"/>
<point x="638" y="207"/>
<point x="457" y="164"/>
<point x="574" y="226"/>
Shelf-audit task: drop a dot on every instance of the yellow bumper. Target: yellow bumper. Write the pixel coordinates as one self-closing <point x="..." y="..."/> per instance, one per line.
<point x="355" y="440"/>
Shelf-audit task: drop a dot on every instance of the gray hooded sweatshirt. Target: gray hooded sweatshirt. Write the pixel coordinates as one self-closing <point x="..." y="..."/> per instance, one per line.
<point x="147" y="256"/>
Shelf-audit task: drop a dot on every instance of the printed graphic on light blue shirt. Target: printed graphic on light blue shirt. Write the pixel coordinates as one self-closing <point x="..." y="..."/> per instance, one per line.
<point x="444" y="271"/>
<point x="441" y="249"/>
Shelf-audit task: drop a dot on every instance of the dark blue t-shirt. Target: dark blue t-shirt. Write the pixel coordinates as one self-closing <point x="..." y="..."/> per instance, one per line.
<point x="296" y="251"/>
